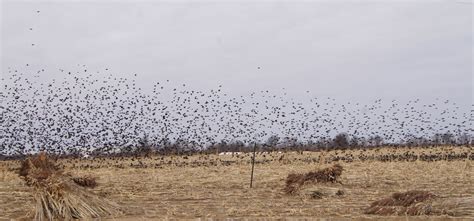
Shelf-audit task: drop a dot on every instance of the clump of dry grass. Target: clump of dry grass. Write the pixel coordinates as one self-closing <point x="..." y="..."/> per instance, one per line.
<point x="407" y="203"/>
<point x="455" y="206"/>
<point x="37" y="170"/>
<point x="86" y="181"/>
<point x="415" y="203"/>
<point x="295" y="181"/>
<point x="57" y="195"/>
<point x="316" y="195"/>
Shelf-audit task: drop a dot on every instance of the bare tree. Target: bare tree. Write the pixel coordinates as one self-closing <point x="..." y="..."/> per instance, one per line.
<point x="341" y="140"/>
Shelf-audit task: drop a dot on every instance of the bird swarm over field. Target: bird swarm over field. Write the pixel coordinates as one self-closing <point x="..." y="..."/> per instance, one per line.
<point x="84" y="112"/>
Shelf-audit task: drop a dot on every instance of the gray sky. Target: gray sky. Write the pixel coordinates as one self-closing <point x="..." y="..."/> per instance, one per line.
<point x="344" y="49"/>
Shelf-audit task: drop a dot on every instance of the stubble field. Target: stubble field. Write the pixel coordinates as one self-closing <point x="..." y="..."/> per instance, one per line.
<point x="217" y="186"/>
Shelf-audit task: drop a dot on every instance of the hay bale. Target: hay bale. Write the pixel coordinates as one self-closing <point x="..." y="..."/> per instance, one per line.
<point x="58" y="196"/>
<point x="38" y="169"/>
<point x="293" y="183"/>
<point x="327" y="175"/>
<point x="411" y="197"/>
<point x="410" y="203"/>
<point x="416" y="203"/>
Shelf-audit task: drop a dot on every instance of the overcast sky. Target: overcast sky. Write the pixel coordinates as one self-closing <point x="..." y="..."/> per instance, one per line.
<point x="344" y="49"/>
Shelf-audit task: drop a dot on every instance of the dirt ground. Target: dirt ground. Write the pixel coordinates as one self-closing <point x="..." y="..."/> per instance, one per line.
<point x="213" y="187"/>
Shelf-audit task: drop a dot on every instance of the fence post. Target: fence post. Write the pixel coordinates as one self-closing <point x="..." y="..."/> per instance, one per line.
<point x="253" y="164"/>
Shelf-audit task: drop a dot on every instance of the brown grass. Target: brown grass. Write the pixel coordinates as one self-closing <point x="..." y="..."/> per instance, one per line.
<point x="36" y="170"/>
<point x="416" y="203"/>
<point x="85" y="181"/>
<point x="405" y="203"/>
<point x="327" y="175"/>
<point x="173" y="188"/>
<point x="57" y="196"/>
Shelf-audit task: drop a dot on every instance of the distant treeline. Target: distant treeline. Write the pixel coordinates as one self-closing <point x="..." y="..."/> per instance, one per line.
<point x="275" y="143"/>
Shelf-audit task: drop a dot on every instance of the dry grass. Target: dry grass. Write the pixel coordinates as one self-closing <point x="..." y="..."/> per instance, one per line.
<point x="85" y="181"/>
<point x="203" y="186"/>
<point x="37" y="170"/>
<point x="407" y="203"/>
<point x="327" y="175"/>
<point x="416" y="203"/>
<point x="57" y="196"/>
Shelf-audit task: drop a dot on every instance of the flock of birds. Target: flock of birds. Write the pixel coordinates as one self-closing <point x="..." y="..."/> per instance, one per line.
<point x="95" y="111"/>
<point x="86" y="112"/>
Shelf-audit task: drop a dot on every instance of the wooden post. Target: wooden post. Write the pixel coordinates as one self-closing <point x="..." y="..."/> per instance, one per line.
<point x="253" y="164"/>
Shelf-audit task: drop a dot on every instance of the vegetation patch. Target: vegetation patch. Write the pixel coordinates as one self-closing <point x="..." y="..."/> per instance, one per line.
<point x="85" y="181"/>
<point x="294" y="182"/>
<point x="59" y="196"/>
<point x="416" y="203"/>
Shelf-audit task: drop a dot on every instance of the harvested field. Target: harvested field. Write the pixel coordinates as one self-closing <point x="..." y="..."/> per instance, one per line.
<point x="236" y="110"/>
<point x="189" y="189"/>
